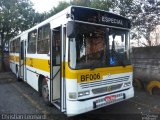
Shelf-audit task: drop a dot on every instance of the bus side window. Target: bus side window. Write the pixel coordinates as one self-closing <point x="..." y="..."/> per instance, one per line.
<point x="32" y="41"/>
<point x="17" y="45"/>
<point x="43" y="40"/>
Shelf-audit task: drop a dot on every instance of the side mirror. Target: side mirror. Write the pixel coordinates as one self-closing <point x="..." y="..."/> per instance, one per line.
<point x="71" y="29"/>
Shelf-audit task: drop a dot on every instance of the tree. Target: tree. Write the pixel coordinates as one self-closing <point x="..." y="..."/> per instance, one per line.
<point x="98" y="4"/>
<point x="61" y="6"/>
<point x="122" y="7"/>
<point x="145" y="17"/>
<point x="85" y="3"/>
<point x="15" y="16"/>
<point x="102" y="4"/>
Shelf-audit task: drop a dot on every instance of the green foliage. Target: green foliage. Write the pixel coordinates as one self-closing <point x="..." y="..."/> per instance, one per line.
<point x="61" y="6"/>
<point x="98" y="4"/>
<point x="125" y="7"/>
<point x="15" y="16"/>
<point x="101" y="4"/>
<point x="86" y="3"/>
<point x="145" y="16"/>
<point x="18" y="15"/>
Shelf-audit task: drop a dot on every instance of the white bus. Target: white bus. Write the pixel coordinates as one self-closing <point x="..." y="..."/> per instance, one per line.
<point x="78" y="59"/>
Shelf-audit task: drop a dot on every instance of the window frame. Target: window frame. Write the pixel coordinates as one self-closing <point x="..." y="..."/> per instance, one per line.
<point x="31" y="52"/>
<point x="41" y="38"/>
<point x="17" y="45"/>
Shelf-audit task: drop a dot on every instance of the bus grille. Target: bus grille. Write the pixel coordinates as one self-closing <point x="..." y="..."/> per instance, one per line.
<point x="103" y="82"/>
<point x="107" y="89"/>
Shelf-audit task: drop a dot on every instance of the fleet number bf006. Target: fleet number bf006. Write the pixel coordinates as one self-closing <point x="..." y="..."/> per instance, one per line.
<point x="90" y="77"/>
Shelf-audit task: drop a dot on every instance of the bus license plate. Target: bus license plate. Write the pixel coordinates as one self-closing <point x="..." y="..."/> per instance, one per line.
<point x="110" y="98"/>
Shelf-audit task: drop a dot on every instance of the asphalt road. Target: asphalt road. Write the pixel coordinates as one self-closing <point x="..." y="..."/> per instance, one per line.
<point x="19" y="101"/>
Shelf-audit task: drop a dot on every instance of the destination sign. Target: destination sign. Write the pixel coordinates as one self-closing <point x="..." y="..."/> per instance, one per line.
<point x="99" y="17"/>
<point x="112" y="20"/>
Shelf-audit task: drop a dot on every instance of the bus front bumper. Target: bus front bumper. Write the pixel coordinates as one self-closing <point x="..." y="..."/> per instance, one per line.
<point x="82" y="106"/>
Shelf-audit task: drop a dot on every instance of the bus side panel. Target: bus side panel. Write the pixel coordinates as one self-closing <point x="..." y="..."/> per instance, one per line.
<point x="32" y="77"/>
<point x="13" y="62"/>
<point x="34" y="69"/>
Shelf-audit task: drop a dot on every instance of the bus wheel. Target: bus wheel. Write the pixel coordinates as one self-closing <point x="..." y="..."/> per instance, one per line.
<point x="45" y="91"/>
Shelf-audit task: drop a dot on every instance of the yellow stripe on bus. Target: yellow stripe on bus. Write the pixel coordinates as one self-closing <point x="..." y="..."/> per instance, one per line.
<point x="14" y="58"/>
<point x="81" y="75"/>
<point x="41" y="64"/>
<point x="99" y="72"/>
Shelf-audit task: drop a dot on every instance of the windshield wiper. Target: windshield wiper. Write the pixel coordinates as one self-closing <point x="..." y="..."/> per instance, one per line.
<point x="91" y="67"/>
<point x="119" y="59"/>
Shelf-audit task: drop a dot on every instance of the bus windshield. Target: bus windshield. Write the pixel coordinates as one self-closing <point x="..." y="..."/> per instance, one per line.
<point x="98" y="46"/>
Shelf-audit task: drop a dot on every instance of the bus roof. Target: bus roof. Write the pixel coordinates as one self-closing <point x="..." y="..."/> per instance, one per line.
<point x="98" y="10"/>
<point x="68" y="10"/>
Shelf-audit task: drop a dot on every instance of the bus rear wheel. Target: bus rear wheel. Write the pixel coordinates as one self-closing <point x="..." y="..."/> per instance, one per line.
<point x="45" y="92"/>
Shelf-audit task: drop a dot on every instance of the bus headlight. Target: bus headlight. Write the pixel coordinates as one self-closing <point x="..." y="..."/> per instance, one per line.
<point x="72" y="95"/>
<point x="127" y="84"/>
<point x="83" y="93"/>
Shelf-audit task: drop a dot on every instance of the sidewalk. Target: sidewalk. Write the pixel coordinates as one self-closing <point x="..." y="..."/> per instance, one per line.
<point x="7" y="77"/>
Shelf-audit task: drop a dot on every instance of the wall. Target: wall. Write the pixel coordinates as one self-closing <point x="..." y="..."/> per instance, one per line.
<point x="146" y="63"/>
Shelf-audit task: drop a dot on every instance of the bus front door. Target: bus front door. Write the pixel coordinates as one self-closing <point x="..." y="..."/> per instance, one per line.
<point x="21" y="65"/>
<point x="57" y="84"/>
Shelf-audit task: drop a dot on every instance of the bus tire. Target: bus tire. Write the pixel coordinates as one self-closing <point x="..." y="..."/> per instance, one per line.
<point x="40" y="85"/>
<point x="45" y="92"/>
